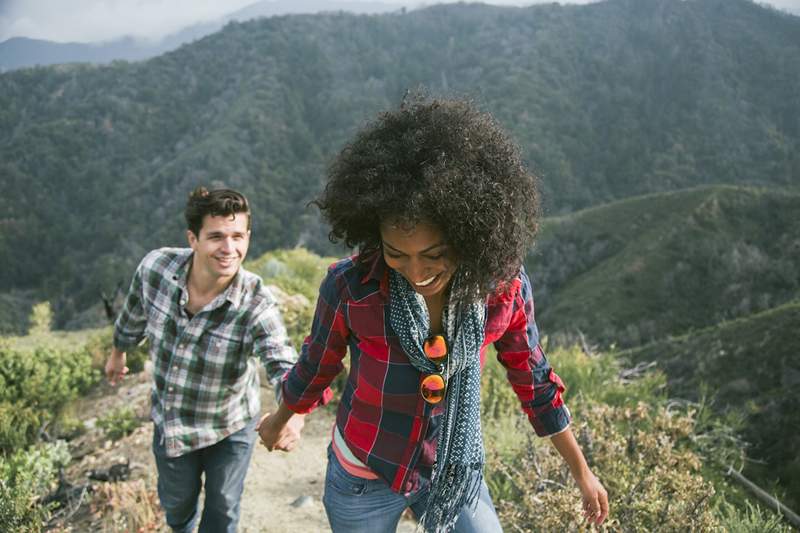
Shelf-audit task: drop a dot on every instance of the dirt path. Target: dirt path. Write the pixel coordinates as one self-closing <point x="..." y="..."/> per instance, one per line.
<point x="283" y="491"/>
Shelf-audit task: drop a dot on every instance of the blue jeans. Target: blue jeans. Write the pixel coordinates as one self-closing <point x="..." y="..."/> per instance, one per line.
<point x="179" y="479"/>
<point x="357" y="505"/>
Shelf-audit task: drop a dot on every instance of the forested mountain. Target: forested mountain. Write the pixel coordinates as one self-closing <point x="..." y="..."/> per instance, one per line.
<point x="607" y="101"/>
<point x="661" y="265"/>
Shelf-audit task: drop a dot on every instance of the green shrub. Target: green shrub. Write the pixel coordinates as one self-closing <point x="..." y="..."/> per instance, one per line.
<point x="34" y="389"/>
<point x="26" y="476"/>
<point x="643" y="457"/>
<point x="749" y="519"/>
<point x="119" y="423"/>
<point x="99" y="348"/>
<point x="657" y="457"/>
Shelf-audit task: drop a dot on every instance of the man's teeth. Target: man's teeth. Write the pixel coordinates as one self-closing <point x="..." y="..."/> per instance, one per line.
<point x="426" y="282"/>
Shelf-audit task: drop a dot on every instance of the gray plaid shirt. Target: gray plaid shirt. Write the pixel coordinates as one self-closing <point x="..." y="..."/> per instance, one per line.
<point x="205" y="382"/>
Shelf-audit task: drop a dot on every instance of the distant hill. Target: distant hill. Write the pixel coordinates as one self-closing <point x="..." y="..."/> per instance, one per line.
<point x="751" y="367"/>
<point x="19" y="52"/>
<point x="607" y="101"/>
<point x="653" y="266"/>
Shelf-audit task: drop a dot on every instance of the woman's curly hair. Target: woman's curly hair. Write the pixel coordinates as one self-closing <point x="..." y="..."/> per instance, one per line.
<point x="443" y="162"/>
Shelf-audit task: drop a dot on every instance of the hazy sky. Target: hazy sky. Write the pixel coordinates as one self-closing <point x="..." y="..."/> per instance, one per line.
<point x="99" y="20"/>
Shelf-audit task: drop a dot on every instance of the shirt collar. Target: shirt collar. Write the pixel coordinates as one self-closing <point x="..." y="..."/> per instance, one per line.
<point x="378" y="271"/>
<point x="232" y="293"/>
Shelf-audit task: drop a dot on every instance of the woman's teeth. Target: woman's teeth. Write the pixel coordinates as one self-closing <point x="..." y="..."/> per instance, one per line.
<point x="426" y="282"/>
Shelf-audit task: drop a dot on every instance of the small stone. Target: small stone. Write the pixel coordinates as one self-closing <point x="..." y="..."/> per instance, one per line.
<point x="302" y="501"/>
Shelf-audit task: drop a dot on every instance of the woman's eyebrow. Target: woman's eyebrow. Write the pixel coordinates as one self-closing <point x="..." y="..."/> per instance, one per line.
<point x="426" y="250"/>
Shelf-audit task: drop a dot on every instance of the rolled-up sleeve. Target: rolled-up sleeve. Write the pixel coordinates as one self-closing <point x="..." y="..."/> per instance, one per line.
<point x="129" y="328"/>
<point x="271" y="342"/>
<point x="537" y="386"/>
<point x="307" y="385"/>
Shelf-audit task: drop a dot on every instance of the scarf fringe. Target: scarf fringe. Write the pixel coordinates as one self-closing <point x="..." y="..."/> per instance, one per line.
<point x="445" y="506"/>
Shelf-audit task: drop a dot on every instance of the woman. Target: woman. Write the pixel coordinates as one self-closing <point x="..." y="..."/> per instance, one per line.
<point x="435" y="198"/>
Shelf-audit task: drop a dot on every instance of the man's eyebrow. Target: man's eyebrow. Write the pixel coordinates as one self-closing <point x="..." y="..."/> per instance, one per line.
<point x="428" y="249"/>
<point x="218" y="233"/>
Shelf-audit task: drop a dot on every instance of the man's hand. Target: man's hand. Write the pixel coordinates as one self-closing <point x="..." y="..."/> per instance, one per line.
<point x="115" y="366"/>
<point x="281" y="430"/>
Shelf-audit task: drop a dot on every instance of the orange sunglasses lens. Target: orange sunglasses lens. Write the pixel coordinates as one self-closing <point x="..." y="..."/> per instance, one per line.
<point x="435" y="349"/>
<point x="432" y="388"/>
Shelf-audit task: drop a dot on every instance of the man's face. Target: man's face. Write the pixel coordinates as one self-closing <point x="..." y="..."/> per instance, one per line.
<point x="221" y="246"/>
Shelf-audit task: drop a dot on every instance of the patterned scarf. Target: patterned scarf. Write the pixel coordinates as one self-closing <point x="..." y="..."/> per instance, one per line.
<point x="458" y="471"/>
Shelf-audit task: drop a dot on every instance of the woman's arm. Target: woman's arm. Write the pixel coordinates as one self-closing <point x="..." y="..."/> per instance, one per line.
<point x="595" y="497"/>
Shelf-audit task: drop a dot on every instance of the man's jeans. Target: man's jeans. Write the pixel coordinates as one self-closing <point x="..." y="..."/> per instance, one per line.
<point x="224" y="464"/>
<point x="356" y="505"/>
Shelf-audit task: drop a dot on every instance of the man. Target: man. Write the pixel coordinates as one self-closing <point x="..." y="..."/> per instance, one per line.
<point x="204" y="317"/>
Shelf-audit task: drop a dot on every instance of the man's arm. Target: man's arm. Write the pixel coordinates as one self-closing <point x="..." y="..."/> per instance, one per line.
<point x="306" y="385"/>
<point x="128" y="329"/>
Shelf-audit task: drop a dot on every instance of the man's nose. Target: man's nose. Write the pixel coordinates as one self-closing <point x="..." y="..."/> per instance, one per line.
<point x="227" y="244"/>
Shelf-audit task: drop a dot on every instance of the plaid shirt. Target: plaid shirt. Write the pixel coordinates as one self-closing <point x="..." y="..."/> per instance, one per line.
<point x="205" y="382"/>
<point x="382" y="417"/>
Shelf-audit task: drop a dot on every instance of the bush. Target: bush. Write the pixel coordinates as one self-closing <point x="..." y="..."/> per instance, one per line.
<point x="643" y="457"/>
<point x="128" y="506"/>
<point x="655" y="456"/>
<point x="99" y="348"/>
<point x="119" y="423"/>
<point x="34" y="389"/>
<point x="749" y="519"/>
<point x="26" y="476"/>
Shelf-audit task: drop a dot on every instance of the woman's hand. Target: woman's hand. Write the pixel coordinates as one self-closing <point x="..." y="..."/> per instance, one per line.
<point x="280" y="430"/>
<point x="595" y="498"/>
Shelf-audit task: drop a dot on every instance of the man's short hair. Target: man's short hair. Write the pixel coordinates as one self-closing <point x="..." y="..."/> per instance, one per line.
<point x="219" y="202"/>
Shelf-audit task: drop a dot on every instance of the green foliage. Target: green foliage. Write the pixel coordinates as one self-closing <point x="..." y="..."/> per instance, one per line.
<point x="35" y="387"/>
<point x="664" y="264"/>
<point x="25" y="476"/>
<point x="294" y="271"/>
<point x="749" y="368"/>
<point x="297" y="273"/>
<point x="119" y="423"/>
<point x="749" y="519"/>
<point x="643" y="456"/>
<point x="99" y="345"/>
<point x="15" y="311"/>
<point x="656" y="457"/>
<point x="41" y="319"/>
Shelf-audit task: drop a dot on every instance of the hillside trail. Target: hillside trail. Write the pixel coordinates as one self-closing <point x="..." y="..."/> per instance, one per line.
<point x="283" y="491"/>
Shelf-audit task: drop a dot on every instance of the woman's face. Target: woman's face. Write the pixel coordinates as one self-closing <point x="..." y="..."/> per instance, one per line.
<point x="420" y="255"/>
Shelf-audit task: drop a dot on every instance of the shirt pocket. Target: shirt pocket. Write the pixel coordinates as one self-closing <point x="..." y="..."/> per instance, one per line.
<point x="222" y="348"/>
<point x="159" y="326"/>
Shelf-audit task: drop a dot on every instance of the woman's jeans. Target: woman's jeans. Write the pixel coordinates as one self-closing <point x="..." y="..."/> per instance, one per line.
<point x="357" y="505"/>
<point x="179" y="479"/>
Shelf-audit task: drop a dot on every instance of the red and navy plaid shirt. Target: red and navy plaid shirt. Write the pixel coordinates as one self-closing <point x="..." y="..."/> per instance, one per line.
<point x="382" y="417"/>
